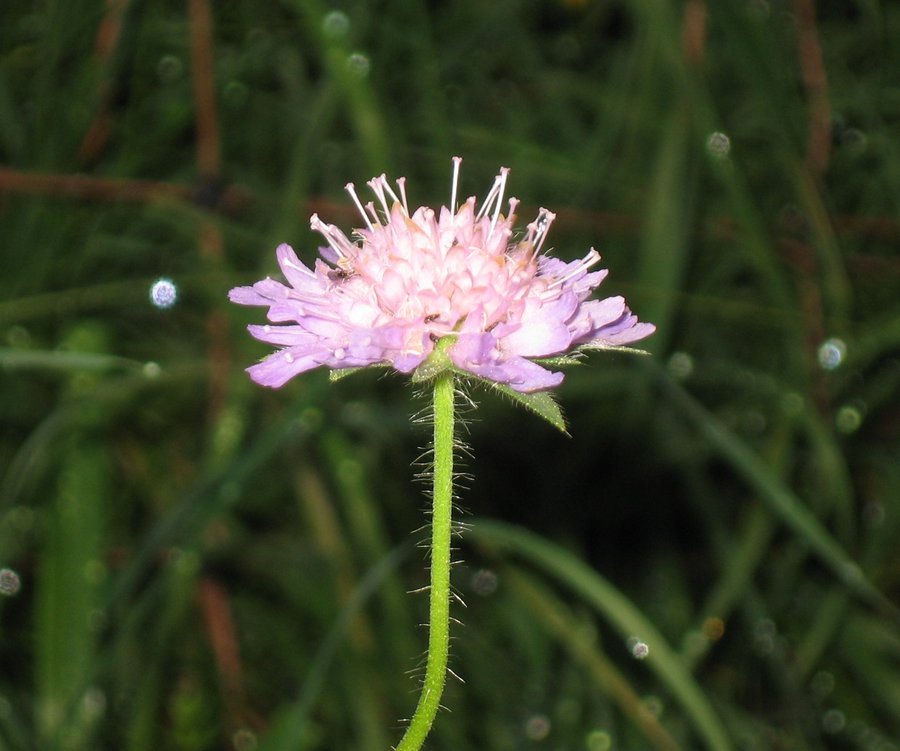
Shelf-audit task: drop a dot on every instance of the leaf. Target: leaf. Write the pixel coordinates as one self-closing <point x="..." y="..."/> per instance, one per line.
<point x="542" y="403"/>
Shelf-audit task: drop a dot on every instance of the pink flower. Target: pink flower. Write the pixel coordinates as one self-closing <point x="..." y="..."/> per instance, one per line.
<point x="409" y="279"/>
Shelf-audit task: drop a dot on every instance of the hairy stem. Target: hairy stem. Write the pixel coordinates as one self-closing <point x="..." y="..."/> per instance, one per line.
<point x="439" y="610"/>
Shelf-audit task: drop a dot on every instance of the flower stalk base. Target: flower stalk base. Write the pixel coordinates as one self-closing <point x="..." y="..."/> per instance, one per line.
<point x="439" y="591"/>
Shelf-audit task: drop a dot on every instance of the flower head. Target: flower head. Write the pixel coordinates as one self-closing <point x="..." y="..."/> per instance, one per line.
<point x="409" y="279"/>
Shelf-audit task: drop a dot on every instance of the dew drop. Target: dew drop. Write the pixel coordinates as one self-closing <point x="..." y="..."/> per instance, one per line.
<point x="163" y="293"/>
<point x="681" y="365"/>
<point x="848" y="419"/>
<point x="537" y="727"/>
<point x="822" y="683"/>
<point x="236" y="94"/>
<point x="759" y="8"/>
<point x="695" y="643"/>
<point x="854" y="140"/>
<point x="94" y="572"/>
<point x="718" y="145"/>
<point x="18" y="336"/>
<point x="340" y="353"/>
<point x="359" y="64"/>
<point x="831" y="353"/>
<point x="764" y="636"/>
<point x="288" y="357"/>
<point x="598" y="740"/>
<point x="151" y="370"/>
<point x="713" y="628"/>
<point x="336" y="25"/>
<point x="484" y="582"/>
<point x="639" y="649"/>
<point x="654" y="705"/>
<point x="244" y="740"/>
<point x="93" y="702"/>
<point x="792" y="404"/>
<point x="852" y="574"/>
<point x="873" y="514"/>
<point x="10" y="584"/>
<point x="169" y="68"/>
<point x="833" y="721"/>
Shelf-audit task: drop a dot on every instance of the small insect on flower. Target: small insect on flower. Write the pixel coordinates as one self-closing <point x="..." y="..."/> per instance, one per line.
<point x="408" y="279"/>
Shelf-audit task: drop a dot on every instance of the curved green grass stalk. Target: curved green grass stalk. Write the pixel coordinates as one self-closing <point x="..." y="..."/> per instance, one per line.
<point x="558" y="620"/>
<point x="289" y="732"/>
<point x="618" y="610"/>
<point x="780" y="499"/>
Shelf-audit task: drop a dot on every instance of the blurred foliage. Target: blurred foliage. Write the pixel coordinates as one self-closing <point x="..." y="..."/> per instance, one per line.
<point x="191" y="562"/>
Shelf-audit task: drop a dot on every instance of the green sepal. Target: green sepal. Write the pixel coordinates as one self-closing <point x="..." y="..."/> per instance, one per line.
<point x="437" y="362"/>
<point x="561" y="361"/>
<point x="541" y="403"/>
<point x="341" y="373"/>
<point x="593" y="347"/>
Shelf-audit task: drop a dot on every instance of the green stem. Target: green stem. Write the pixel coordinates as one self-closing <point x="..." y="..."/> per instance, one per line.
<point x="439" y="593"/>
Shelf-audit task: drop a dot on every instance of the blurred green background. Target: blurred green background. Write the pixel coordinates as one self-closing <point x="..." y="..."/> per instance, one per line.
<point x="192" y="562"/>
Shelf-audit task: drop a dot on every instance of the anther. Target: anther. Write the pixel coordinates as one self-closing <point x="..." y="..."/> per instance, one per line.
<point x="589" y="260"/>
<point x="456" y="162"/>
<point x="349" y="187"/>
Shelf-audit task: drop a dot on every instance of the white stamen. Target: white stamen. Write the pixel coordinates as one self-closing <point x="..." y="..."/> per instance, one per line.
<point x="390" y="190"/>
<point x="336" y="239"/>
<point x="494" y="199"/>
<point x="589" y="260"/>
<point x="352" y="191"/>
<point x="491" y="196"/>
<point x="503" y="173"/>
<point x="302" y="269"/>
<point x="401" y="184"/>
<point x="456" y="162"/>
<point x="370" y="207"/>
<point x="541" y="227"/>
<point x="380" y="186"/>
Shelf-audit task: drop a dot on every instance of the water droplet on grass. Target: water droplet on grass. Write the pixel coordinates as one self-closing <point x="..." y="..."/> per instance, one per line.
<point x="718" y="145"/>
<point x="848" y="419"/>
<point x="832" y="353"/>
<point x="639" y="649"/>
<point x="681" y="365"/>
<point x="833" y="721"/>
<point x="163" y="293"/>
<point x="598" y="740"/>
<point x="169" y="68"/>
<point x="244" y="740"/>
<point x="537" y="727"/>
<point x="10" y="583"/>
<point x="336" y="25"/>
<point x="484" y="582"/>
<point x="359" y="64"/>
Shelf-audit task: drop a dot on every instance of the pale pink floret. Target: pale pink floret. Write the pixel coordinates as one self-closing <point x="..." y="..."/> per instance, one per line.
<point x="406" y="280"/>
